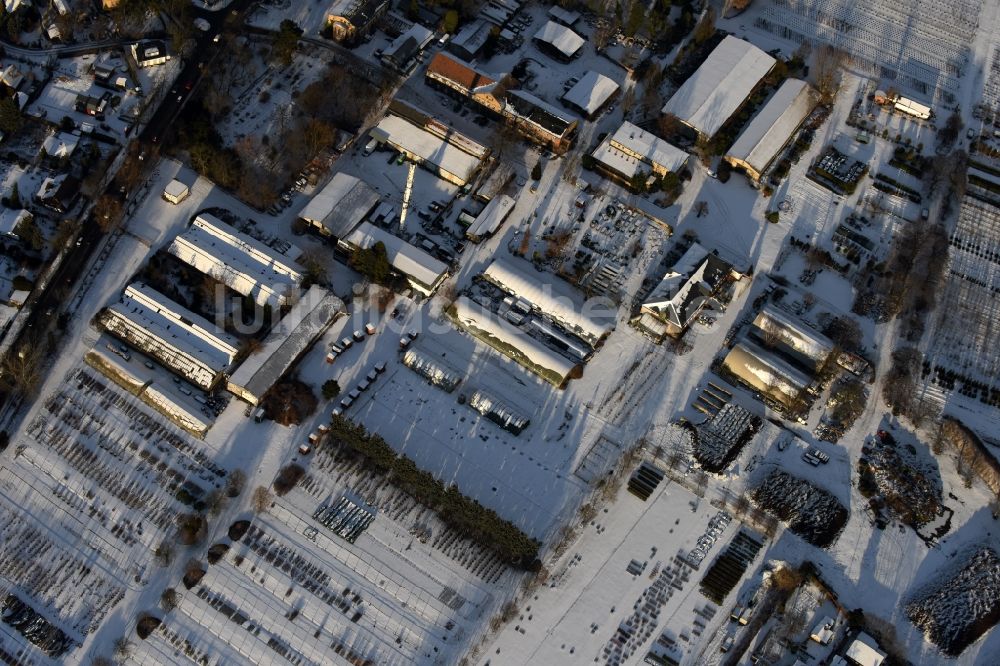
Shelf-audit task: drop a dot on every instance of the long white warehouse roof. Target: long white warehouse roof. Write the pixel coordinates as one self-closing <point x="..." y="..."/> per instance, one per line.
<point x="430" y="148"/>
<point x="176" y="326"/>
<point x="771" y="128"/>
<point x="766" y="372"/>
<point x="405" y="258"/>
<point x="551" y="295"/>
<point x="490" y="219"/>
<point x="794" y="333"/>
<point x="237" y="260"/>
<point x="591" y="92"/>
<point x="340" y="205"/>
<point x="286" y="342"/>
<point x="480" y="320"/>
<point x="720" y="85"/>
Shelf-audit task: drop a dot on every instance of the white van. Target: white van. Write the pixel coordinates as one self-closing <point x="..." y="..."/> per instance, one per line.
<point x="370" y="148"/>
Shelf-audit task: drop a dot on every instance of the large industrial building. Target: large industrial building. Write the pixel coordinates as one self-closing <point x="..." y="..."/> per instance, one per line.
<point x="243" y="264"/>
<point x="340" y="206"/>
<point x="181" y="340"/>
<point x="772" y="128"/>
<point x="439" y="148"/>
<point x="290" y="338"/>
<point x="422" y="271"/>
<point x="790" y="336"/>
<point x="764" y="371"/>
<point x="590" y="94"/>
<point x="508" y="339"/>
<point x="719" y="86"/>
<point x="684" y="292"/>
<point x="553" y="298"/>
<point x="632" y="150"/>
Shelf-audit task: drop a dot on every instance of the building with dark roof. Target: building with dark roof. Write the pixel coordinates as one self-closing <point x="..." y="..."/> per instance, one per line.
<point x="149" y="53"/>
<point x="403" y="50"/>
<point x="540" y="121"/>
<point x="684" y="291"/>
<point x="350" y="20"/>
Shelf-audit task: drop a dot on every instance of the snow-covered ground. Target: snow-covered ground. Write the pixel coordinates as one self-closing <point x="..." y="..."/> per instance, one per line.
<point x="410" y="590"/>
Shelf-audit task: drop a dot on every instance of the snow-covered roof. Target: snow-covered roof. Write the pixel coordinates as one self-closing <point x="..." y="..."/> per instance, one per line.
<point x="428" y="147"/>
<point x="471" y="38"/>
<point x="766" y="372"/>
<point x="60" y="144"/>
<point x="239" y="261"/>
<point x="175" y="189"/>
<point x="720" y="85"/>
<point x="481" y="320"/>
<point x="10" y="218"/>
<point x="408" y="43"/>
<point x="287" y="341"/>
<point x="794" y="334"/>
<point x="179" y="338"/>
<point x="685" y="289"/>
<point x="488" y="221"/>
<point x="771" y="128"/>
<point x="823" y="632"/>
<point x="912" y="108"/>
<point x="551" y="295"/>
<point x="631" y="146"/>
<point x="864" y="651"/>
<point x="409" y="260"/>
<point x="565" y="16"/>
<point x="591" y="92"/>
<point x="341" y="205"/>
<point x="560" y="38"/>
<point x="12" y="76"/>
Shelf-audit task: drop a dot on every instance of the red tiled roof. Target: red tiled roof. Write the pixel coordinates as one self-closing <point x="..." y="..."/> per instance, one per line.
<point x="460" y="73"/>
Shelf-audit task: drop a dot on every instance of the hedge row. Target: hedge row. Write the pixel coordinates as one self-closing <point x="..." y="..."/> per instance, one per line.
<point x="466" y="516"/>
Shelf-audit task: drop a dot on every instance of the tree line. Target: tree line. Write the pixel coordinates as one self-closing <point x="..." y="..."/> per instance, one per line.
<point x="463" y="514"/>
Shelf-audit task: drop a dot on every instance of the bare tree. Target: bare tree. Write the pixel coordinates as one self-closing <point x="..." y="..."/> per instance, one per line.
<point x="261" y="499"/>
<point x="123" y="649"/>
<point x="168" y="599"/>
<point x="235" y="483"/>
<point x="21" y="370"/>
<point x="164" y="553"/>
<point x="829" y="62"/>
<point x="107" y="212"/>
<point x="669" y="125"/>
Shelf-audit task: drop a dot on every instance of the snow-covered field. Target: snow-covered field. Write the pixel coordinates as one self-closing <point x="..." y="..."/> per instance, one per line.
<point x="100" y="474"/>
